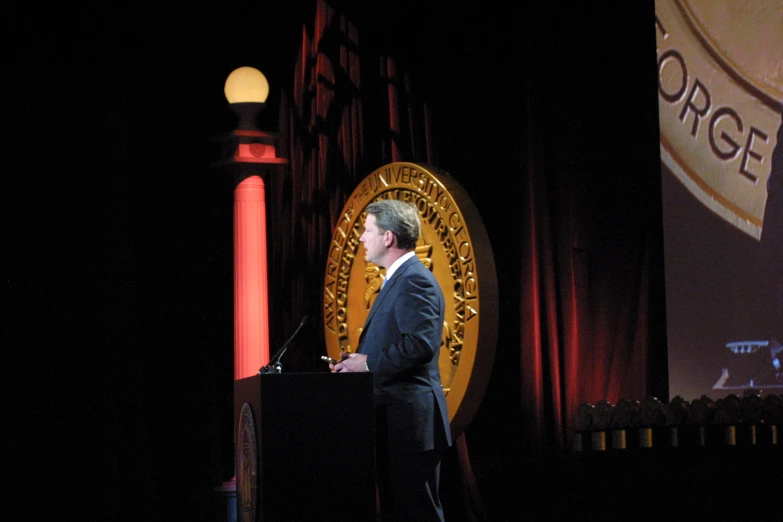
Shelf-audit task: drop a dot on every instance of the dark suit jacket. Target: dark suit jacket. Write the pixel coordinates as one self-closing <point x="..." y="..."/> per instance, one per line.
<point x="401" y="338"/>
<point x="771" y="260"/>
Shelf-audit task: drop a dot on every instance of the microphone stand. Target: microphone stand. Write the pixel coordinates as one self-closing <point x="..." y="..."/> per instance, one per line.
<point x="274" y="366"/>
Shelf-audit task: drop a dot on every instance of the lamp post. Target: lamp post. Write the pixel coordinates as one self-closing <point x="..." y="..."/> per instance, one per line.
<point x="250" y="156"/>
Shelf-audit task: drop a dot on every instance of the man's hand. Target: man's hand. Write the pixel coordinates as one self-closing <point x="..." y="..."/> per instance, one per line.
<point x="351" y="362"/>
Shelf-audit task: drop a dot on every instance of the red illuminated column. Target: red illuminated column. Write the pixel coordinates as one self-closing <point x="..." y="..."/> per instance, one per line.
<point x="251" y="295"/>
<point x="251" y="157"/>
<point x="253" y="160"/>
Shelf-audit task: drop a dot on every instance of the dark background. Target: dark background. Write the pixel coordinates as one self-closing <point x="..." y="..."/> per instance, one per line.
<point x="118" y="315"/>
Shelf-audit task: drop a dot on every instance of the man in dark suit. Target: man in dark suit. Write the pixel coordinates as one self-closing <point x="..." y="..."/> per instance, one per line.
<point x="400" y="343"/>
<point x="771" y="262"/>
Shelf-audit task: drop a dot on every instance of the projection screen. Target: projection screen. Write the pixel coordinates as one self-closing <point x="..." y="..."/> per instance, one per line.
<point x="720" y="99"/>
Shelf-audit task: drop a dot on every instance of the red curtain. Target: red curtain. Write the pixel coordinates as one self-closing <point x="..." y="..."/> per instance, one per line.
<point x="583" y="310"/>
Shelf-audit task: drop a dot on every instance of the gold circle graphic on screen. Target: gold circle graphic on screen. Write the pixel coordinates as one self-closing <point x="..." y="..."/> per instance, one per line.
<point x="454" y="245"/>
<point x="720" y="90"/>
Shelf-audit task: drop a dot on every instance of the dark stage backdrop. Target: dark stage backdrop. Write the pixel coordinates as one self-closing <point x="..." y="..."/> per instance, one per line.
<point x="119" y="303"/>
<point x="720" y="96"/>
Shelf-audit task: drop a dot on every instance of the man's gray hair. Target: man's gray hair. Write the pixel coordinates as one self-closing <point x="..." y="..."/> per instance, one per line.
<point x="400" y="217"/>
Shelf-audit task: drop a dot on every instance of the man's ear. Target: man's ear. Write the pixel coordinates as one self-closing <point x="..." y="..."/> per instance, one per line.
<point x="388" y="238"/>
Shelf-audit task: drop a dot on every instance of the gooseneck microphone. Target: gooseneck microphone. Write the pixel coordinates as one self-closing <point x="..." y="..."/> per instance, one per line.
<point x="274" y="365"/>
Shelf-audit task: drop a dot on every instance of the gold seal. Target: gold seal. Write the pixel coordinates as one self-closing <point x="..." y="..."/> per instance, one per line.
<point x="720" y="90"/>
<point x="453" y="245"/>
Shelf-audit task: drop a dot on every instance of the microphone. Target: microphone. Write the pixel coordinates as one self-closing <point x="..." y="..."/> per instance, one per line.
<point x="274" y="365"/>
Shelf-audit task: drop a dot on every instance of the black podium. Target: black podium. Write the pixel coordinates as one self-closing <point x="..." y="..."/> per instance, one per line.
<point x="305" y="447"/>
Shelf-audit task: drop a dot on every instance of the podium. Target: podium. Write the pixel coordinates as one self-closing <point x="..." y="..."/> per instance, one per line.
<point x="305" y="447"/>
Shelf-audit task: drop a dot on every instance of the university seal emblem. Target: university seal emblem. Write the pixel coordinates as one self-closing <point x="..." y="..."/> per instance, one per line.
<point x="453" y="245"/>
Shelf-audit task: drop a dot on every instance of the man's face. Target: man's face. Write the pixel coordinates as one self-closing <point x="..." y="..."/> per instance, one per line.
<point x="372" y="238"/>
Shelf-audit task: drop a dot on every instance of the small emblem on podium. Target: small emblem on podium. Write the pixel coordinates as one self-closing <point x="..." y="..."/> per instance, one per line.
<point x="247" y="466"/>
